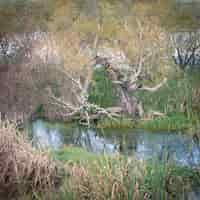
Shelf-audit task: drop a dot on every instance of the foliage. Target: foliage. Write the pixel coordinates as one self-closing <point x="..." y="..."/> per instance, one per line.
<point x="40" y="111"/>
<point x="102" y="92"/>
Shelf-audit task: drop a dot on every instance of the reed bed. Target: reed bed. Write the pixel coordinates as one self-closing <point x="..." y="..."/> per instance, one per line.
<point x="120" y="178"/>
<point x="23" y="169"/>
<point x="105" y="179"/>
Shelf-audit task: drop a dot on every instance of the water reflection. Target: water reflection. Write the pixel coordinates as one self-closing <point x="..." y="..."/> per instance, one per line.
<point x="173" y="147"/>
<point x="46" y="137"/>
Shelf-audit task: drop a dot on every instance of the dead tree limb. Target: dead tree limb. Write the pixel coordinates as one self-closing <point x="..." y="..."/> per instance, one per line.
<point x="83" y="110"/>
<point x="127" y="81"/>
<point x="155" y="88"/>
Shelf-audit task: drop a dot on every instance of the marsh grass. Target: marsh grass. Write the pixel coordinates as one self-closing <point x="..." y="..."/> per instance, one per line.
<point x="177" y="96"/>
<point x="178" y="100"/>
<point x="125" y="178"/>
<point x="106" y="178"/>
<point x="22" y="168"/>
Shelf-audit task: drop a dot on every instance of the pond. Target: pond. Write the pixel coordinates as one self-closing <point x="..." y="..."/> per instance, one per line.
<point x="172" y="147"/>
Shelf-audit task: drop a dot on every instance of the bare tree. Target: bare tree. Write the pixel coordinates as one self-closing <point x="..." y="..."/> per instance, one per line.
<point x="82" y="110"/>
<point x="77" y="71"/>
<point x="148" y="45"/>
<point x="127" y="82"/>
<point x="186" y="47"/>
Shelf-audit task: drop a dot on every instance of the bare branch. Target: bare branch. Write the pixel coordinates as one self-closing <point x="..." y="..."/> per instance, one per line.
<point x="153" y="89"/>
<point x="62" y="103"/>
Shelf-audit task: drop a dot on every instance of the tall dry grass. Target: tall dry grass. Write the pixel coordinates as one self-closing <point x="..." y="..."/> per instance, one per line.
<point x="23" y="169"/>
<point x="105" y="180"/>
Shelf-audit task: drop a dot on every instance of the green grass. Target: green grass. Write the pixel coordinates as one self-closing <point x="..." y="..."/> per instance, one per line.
<point x="174" y="122"/>
<point x="74" y="154"/>
<point x="171" y="122"/>
<point x="122" y="122"/>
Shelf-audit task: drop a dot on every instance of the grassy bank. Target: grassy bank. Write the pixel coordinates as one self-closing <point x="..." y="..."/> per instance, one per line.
<point x="122" y="122"/>
<point x="74" y="154"/>
<point x="175" y="122"/>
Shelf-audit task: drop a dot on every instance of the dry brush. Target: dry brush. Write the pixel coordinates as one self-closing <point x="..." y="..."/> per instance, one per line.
<point x="23" y="169"/>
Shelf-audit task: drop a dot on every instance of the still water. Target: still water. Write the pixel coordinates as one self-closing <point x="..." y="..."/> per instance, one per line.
<point x="173" y="147"/>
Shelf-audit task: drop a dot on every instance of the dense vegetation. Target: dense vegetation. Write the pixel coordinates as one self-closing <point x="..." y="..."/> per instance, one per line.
<point x="107" y="64"/>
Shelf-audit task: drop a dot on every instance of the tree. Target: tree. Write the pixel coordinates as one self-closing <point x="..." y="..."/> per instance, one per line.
<point x="127" y="80"/>
<point x="186" y="47"/>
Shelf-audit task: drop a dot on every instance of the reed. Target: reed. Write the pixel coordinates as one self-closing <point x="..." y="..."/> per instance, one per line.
<point x="24" y="169"/>
<point x="120" y="178"/>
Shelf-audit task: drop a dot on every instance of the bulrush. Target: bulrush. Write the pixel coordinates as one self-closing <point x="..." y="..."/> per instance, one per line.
<point x="23" y="169"/>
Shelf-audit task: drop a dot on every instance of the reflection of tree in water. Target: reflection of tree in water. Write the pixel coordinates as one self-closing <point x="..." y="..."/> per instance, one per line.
<point x="127" y="144"/>
<point x="93" y="141"/>
<point x="174" y="148"/>
<point x="98" y="141"/>
<point x="193" y="155"/>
